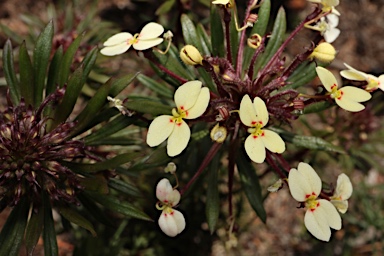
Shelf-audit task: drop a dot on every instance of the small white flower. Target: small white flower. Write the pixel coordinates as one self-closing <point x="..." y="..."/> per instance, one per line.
<point x="356" y="75"/>
<point x="121" y="42"/>
<point x="327" y="26"/>
<point x="191" y="102"/>
<point x="171" y="221"/>
<point x="328" y="5"/>
<point x="347" y="97"/>
<point x="321" y="215"/>
<point x="255" y="115"/>
<point x="342" y="193"/>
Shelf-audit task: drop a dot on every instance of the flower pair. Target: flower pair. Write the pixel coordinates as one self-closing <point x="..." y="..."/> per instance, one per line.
<point x="321" y="215"/>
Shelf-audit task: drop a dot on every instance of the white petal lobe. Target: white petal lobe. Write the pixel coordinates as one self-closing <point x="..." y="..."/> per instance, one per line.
<point x="326" y="77"/>
<point x="247" y="111"/>
<point x="186" y="95"/>
<point x="178" y="139"/>
<point x="255" y="149"/>
<point x="200" y="105"/>
<point x="159" y="130"/>
<point x="151" y="31"/>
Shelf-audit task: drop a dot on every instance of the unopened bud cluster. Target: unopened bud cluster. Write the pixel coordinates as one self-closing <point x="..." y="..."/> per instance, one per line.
<point x="31" y="157"/>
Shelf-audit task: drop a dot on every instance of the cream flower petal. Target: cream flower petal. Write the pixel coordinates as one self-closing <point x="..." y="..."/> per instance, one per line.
<point x="171" y="222"/>
<point x="355" y="94"/>
<point x="349" y="105"/>
<point x="326" y="77"/>
<point x="331" y="35"/>
<point x="312" y="178"/>
<point x="298" y="185"/>
<point x="115" y="49"/>
<point x="332" y="20"/>
<point x="255" y="149"/>
<point x="119" y="38"/>
<point x="223" y="2"/>
<point x="317" y="224"/>
<point x="353" y="75"/>
<point x="163" y="189"/>
<point x="186" y="95"/>
<point x="178" y="139"/>
<point x="341" y="205"/>
<point x="159" y="130"/>
<point x="344" y="187"/>
<point x="332" y="216"/>
<point x="247" y="111"/>
<point x="261" y="111"/>
<point x="273" y="142"/>
<point x="151" y="31"/>
<point x="146" y="44"/>
<point x="200" y="105"/>
<point x="381" y="82"/>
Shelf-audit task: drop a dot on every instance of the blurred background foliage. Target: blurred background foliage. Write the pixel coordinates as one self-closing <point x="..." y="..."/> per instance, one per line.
<point x="360" y="135"/>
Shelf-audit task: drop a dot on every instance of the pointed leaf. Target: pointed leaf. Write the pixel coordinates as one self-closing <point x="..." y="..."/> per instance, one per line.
<point x="54" y="71"/>
<point x="10" y="74"/>
<point x="77" y="219"/>
<point x="189" y="32"/>
<point x="217" y="33"/>
<point x="204" y="40"/>
<point x="26" y="75"/>
<point x="155" y="86"/>
<point x="124" y="187"/>
<point x="119" y="84"/>
<point x="148" y="106"/>
<point x="165" y="7"/>
<point x="33" y="231"/>
<point x="212" y="206"/>
<point x="251" y="185"/>
<point x="49" y="233"/>
<point x="41" y="55"/>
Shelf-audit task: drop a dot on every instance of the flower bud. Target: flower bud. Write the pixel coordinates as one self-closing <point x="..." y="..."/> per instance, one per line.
<point x="218" y="133"/>
<point x="324" y="52"/>
<point x="171" y="168"/>
<point x="191" y="56"/>
<point x="254" y="41"/>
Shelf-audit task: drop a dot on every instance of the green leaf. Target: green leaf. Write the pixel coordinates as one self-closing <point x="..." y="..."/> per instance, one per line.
<point x="117" y="124"/>
<point x="116" y="205"/>
<point x="72" y="92"/>
<point x="33" y="231"/>
<point x="11" y="34"/>
<point x="277" y="37"/>
<point x="94" y="210"/>
<point x="308" y="141"/>
<point x="148" y="106"/>
<point x="13" y="230"/>
<point x="67" y="60"/>
<point x="173" y="63"/>
<point x="234" y="38"/>
<point x="119" y="84"/>
<point x="124" y="187"/>
<point x="155" y="86"/>
<point x="77" y="219"/>
<point x="212" y="207"/>
<point x="49" y="233"/>
<point x="259" y="28"/>
<point x="217" y="33"/>
<point x="251" y="184"/>
<point x="204" y="40"/>
<point x="156" y="158"/>
<point x="189" y="32"/>
<point x="26" y="75"/>
<point x="304" y="74"/>
<point x="10" y="74"/>
<point x="317" y="107"/>
<point x="165" y="7"/>
<point x="41" y="55"/>
<point x="54" y="71"/>
<point x="102" y="166"/>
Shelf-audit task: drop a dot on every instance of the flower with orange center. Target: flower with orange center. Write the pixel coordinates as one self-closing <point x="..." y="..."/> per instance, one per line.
<point x="373" y="82"/>
<point x="347" y="97"/>
<point x="191" y="102"/>
<point x="121" y="42"/>
<point x="255" y="116"/>
<point x="321" y="215"/>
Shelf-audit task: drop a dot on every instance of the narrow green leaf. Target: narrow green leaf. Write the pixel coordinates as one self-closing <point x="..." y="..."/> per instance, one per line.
<point x="155" y="86"/>
<point x="69" y="100"/>
<point x="217" y="33"/>
<point x="116" y="205"/>
<point x="89" y="62"/>
<point x="148" y="106"/>
<point x="277" y="37"/>
<point x="251" y="184"/>
<point x="77" y="219"/>
<point x="54" y="71"/>
<point x="156" y="158"/>
<point x="259" y="28"/>
<point x="234" y="38"/>
<point x="189" y="32"/>
<point x="308" y="141"/>
<point x="49" y="233"/>
<point x="102" y="166"/>
<point x="94" y="210"/>
<point x="10" y="74"/>
<point x="67" y="60"/>
<point x="174" y="64"/>
<point x="165" y="7"/>
<point x="204" y="40"/>
<point x="317" y="107"/>
<point x="41" y="55"/>
<point x="117" y="124"/>
<point x="206" y="79"/>
<point x="121" y="83"/>
<point x="124" y="187"/>
<point x="94" y="105"/>
<point x="11" y="34"/>
<point x="33" y="231"/>
<point x="26" y="75"/>
<point x="302" y="76"/>
<point x="13" y="230"/>
<point x="212" y="207"/>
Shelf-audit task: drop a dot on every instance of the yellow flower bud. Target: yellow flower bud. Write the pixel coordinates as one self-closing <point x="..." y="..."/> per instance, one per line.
<point x="218" y="133"/>
<point x="324" y="52"/>
<point x="254" y="41"/>
<point x="191" y="56"/>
